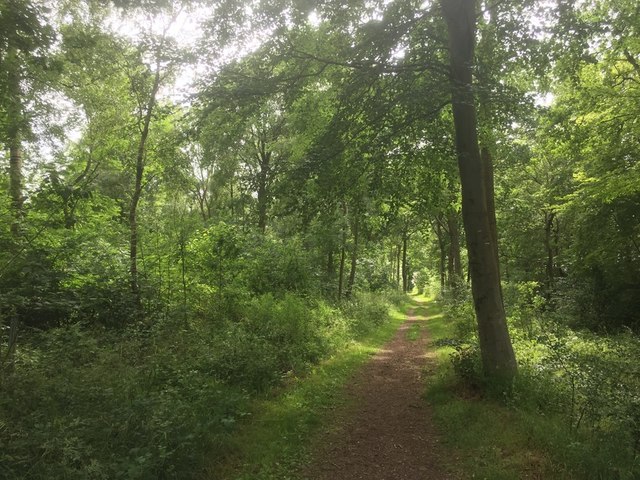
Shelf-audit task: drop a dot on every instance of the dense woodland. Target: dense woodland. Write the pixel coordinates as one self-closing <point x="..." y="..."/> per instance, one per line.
<point x="202" y="199"/>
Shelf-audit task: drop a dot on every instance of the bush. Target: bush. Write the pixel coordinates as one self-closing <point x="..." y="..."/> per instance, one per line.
<point x="85" y="410"/>
<point x="277" y="337"/>
<point x="153" y="401"/>
<point x="366" y="311"/>
<point x="279" y="266"/>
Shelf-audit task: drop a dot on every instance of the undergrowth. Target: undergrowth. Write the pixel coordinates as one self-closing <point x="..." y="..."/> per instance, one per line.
<point x="572" y="412"/>
<point x="277" y="443"/>
<point x="161" y="401"/>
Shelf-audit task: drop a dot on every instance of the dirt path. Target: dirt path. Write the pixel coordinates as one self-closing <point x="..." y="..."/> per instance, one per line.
<point x="386" y="433"/>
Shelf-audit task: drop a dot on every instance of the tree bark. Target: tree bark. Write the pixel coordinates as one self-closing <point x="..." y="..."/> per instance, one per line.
<point x="14" y="132"/>
<point x="264" y="174"/>
<point x="343" y="253"/>
<point x="498" y="358"/>
<point x="354" y="254"/>
<point x="392" y="259"/>
<point x="487" y="170"/>
<point x="405" y="273"/>
<point x="398" y="265"/>
<point x="443" y="254"/>
<point x="15" y="185"/>
<point x="548" y="245"/>
<point x="137" y="193"/>
<point x="455" y="265"/>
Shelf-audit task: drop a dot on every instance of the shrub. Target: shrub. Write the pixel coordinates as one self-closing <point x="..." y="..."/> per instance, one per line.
<point x="86" y="410"/>
<point x="366" y="311"/>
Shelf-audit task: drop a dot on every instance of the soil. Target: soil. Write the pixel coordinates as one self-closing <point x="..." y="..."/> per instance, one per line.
<point x="386" y="431"/>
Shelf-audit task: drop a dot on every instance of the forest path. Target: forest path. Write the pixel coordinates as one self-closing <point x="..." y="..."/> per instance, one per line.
<point x="386" y="431"/>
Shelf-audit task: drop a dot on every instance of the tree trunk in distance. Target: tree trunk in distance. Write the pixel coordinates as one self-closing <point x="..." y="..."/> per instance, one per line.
<point x="354" y="254"/>
<point x="455" y="266"/>
<point x="231" y="200"/>
<point x="398" y="265"/>
<point x="405" y="273"/>
<point x="498" y="358"/>
<point x="548" y="231"/>
<point x="15" y="186"/>
<point x="392" y="259"/>
<point x="137" y="193"/>
<point x="15" y="127"/>
<point x="330" y="266"/>
<point x="264" y="161"/>
<point x="343" y="253"/>
<point x="443" y="254"/>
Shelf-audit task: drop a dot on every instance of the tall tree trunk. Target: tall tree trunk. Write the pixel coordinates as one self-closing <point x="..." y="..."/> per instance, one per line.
<point x="405" y="273"/>
<point x="15" y="119"/>
<point x="443" y="254"/>
<point x="231" y="200"/>
<point x="392" y="258"/>
<point x="498" y="358"/>
<point x="487" y="170"/>
<point x="15" y="129"/>
<point x="343" y="252"/>
<point x="330" y="266"/>
<point x="354" y="253"/>
<point x="398" y="265"/>
<point x="264" y="162"/>
<point x="137" y="193"/>
<point x="455" y="265"/>
<point x="343" y="257"/>
<point x="548" y="245"/>
<point x="15" y="185"/>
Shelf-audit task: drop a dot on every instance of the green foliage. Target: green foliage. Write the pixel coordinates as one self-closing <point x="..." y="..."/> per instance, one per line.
<point x="588" y="383"/>
<point x="278" y="443"/>
<point x="274" y="338"/>
<point x="167" y="396"/>
<point x="366" y="311"/>
<point x="317" y="134"/>
<point x="280" y="266"/>
<point x="87" y="410"/>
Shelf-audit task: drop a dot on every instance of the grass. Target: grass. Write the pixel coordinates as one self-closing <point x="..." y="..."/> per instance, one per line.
<point x="413" y="333"/>
<point x="278" y="438"/>
<point x="491" y="439"/>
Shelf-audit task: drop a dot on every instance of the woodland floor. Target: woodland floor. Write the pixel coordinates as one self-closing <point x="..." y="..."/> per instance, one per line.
<point x="386" y="431"/>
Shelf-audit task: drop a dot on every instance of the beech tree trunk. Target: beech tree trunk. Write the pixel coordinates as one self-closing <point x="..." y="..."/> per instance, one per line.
<point x="392" y="259"/>
<point x="354" y="254"/>
<point x="405" y="273"/>
<point x="15" y="185"/>
<point x="137" y="193"/>
<point x="443" y="254"/>
<point x="455" y="265"/>
<point x="398" y="265"/>
<point x="478" y="212"/>
<point x="14" y="130"/>
<point x="548" y="239"/>
<point x="264" y="174"/>
<point x="343" y="254"/>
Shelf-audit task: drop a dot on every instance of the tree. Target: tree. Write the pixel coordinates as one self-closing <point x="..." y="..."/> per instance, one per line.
<point x="24" y="40"/>
<point x="476" y="179"/>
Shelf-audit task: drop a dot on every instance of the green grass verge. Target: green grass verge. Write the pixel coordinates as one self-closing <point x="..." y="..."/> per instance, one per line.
<point x="276" y="440"/>
<point x="489" y="439"/>
<point x="413" y="333"/>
